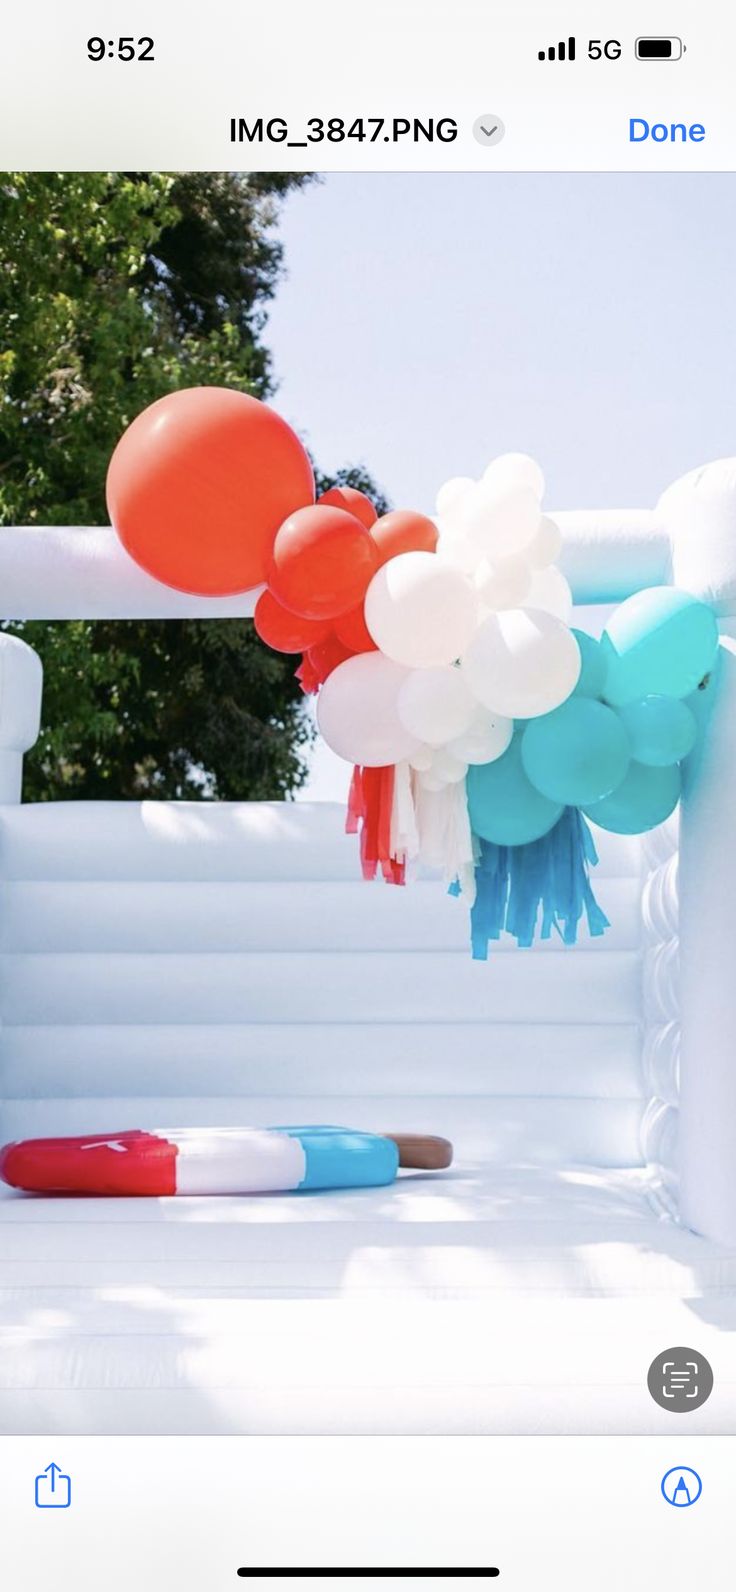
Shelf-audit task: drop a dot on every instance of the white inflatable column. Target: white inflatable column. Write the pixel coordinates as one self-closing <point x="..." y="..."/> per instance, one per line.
<point x="700" y="512"/>
<point x="661" y="1036"/>
<point x="21" y="682"/>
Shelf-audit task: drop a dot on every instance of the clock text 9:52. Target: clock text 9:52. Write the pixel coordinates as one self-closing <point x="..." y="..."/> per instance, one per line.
<point x="122" y="49"/>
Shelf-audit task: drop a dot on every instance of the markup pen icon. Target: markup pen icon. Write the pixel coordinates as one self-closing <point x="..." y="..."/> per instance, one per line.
<point x="681" y="1486"/>
<point x="53" y="1489"/>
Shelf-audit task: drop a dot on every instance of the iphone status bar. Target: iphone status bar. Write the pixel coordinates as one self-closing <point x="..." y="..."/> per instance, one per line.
<point x="466" y="87"/>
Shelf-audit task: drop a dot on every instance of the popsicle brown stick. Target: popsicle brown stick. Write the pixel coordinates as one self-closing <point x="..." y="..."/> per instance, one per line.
<point x="422" y="1150"/>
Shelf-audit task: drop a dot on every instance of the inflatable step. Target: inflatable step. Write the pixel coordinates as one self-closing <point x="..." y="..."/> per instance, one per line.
<point x="89" y="987"/>
<point x="203" y="840"/>
<point x="279" y="915"/>
<point x="242" y="1059"/>
<point x="497" y="1131"/>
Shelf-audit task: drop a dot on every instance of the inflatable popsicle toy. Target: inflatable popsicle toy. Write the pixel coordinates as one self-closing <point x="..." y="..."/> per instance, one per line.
<point x="217" y="1161"/>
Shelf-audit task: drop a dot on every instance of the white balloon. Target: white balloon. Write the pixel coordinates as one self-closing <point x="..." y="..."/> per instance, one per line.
<point x="502" y="522"/>
<point x="433" y="782"/>
<point x="488" y="737"/>
<point x="450" y="493"/>
<point x="357" y="712"/>
<point x="550" y="591"/>
<point x="436" y="705"/>
<point x="421" y="611"/>
<point x="459" y="550"/>
<point x="511" y="470"/>
<point x="503" y="585"/>
<point x="448" y="768"/>
<point x="547" y="544"/>
<point x="421" y="760"/>
<point x="522" y="663"/>
<point x="472" y="514"/>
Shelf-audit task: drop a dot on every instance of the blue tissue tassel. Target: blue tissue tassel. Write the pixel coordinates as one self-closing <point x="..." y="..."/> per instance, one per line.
<point x="551" y="874"/>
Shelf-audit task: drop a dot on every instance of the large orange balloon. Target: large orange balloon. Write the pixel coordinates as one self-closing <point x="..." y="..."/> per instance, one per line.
<point x="199" y="484"/>
<point x="357" y="503"/>
<point x="284" y="631"/>
<point x="322" y="562"/>
<point x="403" y="531"/>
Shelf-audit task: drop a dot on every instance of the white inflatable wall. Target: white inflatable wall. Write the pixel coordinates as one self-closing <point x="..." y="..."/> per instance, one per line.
<point x="700" y="513"/>
<point x="225" y="962"/>
<point x="661" y="1006"/>
<point x="137" y="950"/>
<point x="21" y="682"/>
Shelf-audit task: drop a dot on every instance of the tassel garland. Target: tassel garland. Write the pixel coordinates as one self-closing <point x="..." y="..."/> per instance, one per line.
<point x="370" y="805"/>
<point x="551" y="874"/>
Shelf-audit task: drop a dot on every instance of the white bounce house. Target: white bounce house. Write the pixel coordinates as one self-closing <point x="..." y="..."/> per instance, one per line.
<point x="184" y="964"/>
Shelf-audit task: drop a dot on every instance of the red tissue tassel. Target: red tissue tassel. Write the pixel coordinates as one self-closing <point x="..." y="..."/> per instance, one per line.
<point x="369" y="810"/>
<point x="318" y="662"/>
<point x="308" y="676"/>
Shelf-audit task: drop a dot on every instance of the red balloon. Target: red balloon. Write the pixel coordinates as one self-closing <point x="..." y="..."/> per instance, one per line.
<point x="348" y="497"/>
<point x="199" y="484"/>
<point x="319" y="662"/>
<point x="403" y="531"/>
<point x="353" y="631"/>
<point x="322" y="561"/>
<point x="284" y="631"/>
<point x="326" y="657"/>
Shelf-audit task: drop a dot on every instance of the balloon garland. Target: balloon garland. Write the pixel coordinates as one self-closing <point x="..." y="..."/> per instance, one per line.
<point x="484" y="730"/>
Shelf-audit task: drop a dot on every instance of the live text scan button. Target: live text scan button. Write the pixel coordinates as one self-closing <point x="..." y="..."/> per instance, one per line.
<point x="680" y="1380"/>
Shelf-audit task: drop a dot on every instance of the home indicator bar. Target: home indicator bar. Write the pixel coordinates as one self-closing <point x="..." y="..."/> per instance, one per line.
<point x="468" y="1572"/>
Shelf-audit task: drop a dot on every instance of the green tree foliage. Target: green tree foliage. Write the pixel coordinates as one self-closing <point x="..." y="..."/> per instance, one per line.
<point x="116" y="288"/>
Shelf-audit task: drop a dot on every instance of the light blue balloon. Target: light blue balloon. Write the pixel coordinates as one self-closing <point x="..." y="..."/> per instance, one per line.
<point x="660" y="642"/>
<point x="504" y="806"/>
<point x="576" y="754"/>
<point x="644" y="799"/>
<point x="661" y="730"/>
<point x="592" y="678"/>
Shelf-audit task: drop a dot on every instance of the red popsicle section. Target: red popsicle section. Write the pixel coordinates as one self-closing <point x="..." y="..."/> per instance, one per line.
<point x="124" y="1163"/>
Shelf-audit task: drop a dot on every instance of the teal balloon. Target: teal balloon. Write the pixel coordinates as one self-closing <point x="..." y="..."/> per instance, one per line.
<point x="661" y="730"/>
<point x="576" y="754"/>
<point x="660" y="642"/>
<point x="644" y="799"/>
<point x="503" y="804"/>
<point x="592" y="677"/>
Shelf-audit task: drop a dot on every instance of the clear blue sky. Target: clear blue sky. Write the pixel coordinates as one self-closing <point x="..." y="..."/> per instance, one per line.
<point x="429" y="322"/>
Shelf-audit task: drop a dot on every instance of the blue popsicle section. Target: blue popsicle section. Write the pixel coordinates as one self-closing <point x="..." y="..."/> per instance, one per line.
<point x="345" y="1158"/>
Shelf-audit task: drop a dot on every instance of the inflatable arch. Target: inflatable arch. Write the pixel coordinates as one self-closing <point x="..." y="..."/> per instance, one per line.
<point x="82" y="879"/>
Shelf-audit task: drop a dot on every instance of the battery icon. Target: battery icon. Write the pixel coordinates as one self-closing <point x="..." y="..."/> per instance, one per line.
<point x="659" y="48"/>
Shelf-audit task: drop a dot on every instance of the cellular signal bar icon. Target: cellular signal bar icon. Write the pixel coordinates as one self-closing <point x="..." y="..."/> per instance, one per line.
<point x="564" y="51"/>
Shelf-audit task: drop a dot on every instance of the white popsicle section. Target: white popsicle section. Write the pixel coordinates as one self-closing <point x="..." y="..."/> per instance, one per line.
<point x="235" y="1162"/>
